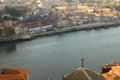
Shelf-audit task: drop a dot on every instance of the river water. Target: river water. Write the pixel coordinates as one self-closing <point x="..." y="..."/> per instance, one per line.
<point x="53" y="56"/>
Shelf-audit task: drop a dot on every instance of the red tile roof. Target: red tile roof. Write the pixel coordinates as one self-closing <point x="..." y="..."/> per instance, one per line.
<point x="113" y="73"/>
<point x="32" y="25"/>
<point x="13" y="74"/>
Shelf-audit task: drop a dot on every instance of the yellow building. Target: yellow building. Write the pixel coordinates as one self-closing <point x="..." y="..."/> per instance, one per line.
<point x="2" y="1"/>
<point x="61" y="7"/>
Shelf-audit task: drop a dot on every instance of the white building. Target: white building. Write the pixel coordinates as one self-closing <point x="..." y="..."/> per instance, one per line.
<point x="63" y="23"/>
<point x="2" y="6"/>
<point x="34" y="30"/>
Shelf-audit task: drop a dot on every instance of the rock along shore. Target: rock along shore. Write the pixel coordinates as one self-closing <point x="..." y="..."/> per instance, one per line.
<point x="87" y="27"/>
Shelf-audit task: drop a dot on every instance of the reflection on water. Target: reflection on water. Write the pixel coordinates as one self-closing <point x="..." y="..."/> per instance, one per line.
<point x="8" y="47"/>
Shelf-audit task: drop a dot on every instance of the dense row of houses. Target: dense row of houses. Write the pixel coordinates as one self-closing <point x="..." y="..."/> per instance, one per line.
<point x="59" y="17"/>
<point x="49" y="25"/>
<point x="36" y="27"/>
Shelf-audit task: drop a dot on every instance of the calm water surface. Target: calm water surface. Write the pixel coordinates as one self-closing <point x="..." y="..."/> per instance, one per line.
<point x="52" y="57"/>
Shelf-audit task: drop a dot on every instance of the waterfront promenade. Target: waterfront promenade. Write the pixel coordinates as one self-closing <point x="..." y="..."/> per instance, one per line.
<point x="87" y="27"/>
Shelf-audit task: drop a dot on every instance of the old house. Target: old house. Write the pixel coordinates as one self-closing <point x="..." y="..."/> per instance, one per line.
<point x="29" y="28"/>
<point x="47" y="28"/>
<point x="2" y="5"/>
<point x="63" y="23"/>
<point x="9" y="20"/>
<point x="35" y="27"/>
<point x="17" y="30"/>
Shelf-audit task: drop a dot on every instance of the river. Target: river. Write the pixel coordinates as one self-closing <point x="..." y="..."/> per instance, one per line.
<point x="53" y="56"/>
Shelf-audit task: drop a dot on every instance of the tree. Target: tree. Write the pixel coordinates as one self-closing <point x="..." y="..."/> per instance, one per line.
<point x="69" y="1"/>
<point x="53" y="6"/>
<point x="111" y="6"/>
<point x="32" y="2"/>
<point x="8" y="31"/>
<point x="1" y="31"/>
<point x="16" y="11"/>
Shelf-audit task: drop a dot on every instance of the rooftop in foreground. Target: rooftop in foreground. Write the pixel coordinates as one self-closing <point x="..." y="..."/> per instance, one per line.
<point x="113" y="73"/>
<point x="13" y="74"/>
<point x="83" y="74"/>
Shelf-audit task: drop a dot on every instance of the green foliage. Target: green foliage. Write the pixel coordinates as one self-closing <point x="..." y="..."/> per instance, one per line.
<point x="111" y="6"/>
<point x="8" y="31"/>
<point x="16" y="11"/>
<point x="31" y="1"/>
<point x="1" y="31"/>
<point x="53" y="6"/>
<point x="69" y="1"/>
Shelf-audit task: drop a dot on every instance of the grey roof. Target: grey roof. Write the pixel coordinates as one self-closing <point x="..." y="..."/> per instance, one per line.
<point x="83" y="74"/>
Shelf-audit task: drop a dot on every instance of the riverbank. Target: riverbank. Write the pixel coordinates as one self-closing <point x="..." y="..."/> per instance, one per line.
<point x="87" y="27"/>
<point x="15" y="38"/>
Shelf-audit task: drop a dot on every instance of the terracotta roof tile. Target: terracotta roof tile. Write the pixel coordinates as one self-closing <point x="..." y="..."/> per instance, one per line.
<point x="13" y="74"/>
<point x="113" y="73"/>
<point x="11" y="77"/>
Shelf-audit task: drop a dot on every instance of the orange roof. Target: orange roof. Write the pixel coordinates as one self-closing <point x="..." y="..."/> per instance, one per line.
<point x="113" y="73"/>
<point x="13" y="74"/>
<point x="12" y="77"/>
<point x="32" y="25"/>
<point x="21" y="71"/>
